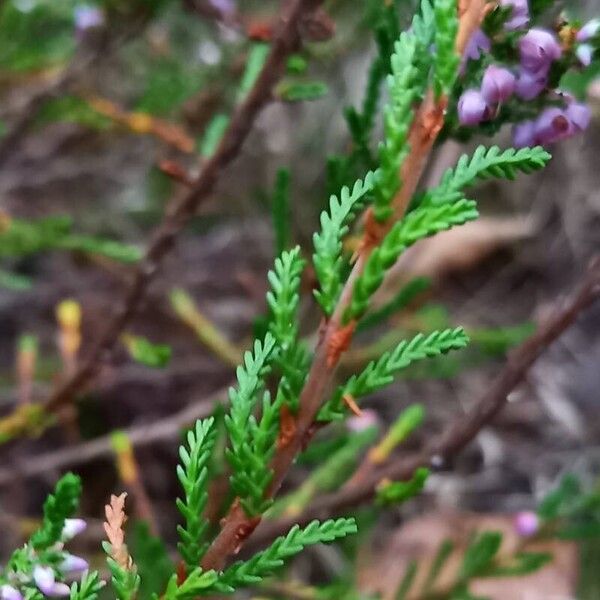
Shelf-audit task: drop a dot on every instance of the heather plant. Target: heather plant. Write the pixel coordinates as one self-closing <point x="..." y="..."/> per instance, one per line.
<point x="459" y="69"/>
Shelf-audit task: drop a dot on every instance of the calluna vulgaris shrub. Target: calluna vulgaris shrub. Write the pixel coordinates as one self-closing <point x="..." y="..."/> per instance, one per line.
<point x="459" y="69"/>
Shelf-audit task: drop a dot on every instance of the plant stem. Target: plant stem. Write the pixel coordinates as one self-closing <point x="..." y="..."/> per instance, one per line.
<point x="237" y="527"/>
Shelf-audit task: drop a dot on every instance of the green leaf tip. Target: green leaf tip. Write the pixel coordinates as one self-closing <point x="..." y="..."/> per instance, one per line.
<point x="486" y="163"/>
<point x="418" y="224"/>
<point x="264" y="563"/>
<point x="192" y="473"/>
<point x="381" y="372"/>
<point x="59" y="506"/>
<point x="335" y="223"/>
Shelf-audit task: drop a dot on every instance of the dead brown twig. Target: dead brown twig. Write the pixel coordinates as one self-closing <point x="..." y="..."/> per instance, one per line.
<point x="466" y="427"/>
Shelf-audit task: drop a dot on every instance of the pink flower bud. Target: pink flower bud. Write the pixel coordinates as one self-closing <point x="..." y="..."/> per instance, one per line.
<point x="478" y="42"/>
<point x="367" y="419"/>
<point x="8" y="592"/>
<point x="538" y="48"/>
<point x="579" y="115"/>
<point x="45" y="580"/>
<point x="524" y="134"/>
<point x="551" y="126"/>
<point x="73" y="564"/>
<point x="87" y="17"/>
<point x="526" y="523"/>
<point x="585" y="53"/>
<point x="472" y="108"/>
<point x="519" y="16"/>
<point x="498" y="84"/>
<point x="72" y="528"/>
<point x="531" y="85"/>
<point x="588" y="31"/>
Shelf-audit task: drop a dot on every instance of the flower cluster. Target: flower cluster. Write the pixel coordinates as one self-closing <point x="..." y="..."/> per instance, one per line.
<point x="43" y="576"/>
<point x="538" y="51"/>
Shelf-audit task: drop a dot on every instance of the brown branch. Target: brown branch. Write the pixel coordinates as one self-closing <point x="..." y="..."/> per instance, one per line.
<point x="93" y="49"/>
<point x="31" y="106"/>
<point x="466" y="427"/>
<point x="286" y="41"/>
<point x="336" y="337"/>
<point x="140" y="435"/>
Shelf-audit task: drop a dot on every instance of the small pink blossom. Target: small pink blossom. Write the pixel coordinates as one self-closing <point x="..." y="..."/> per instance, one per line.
<point x="585" y="53"/>
<point x="367" y="419"/>
<point x="538" y="49"/>
<point x="588" y="31"/>
<point x="46" y="582"/>
<point x="531" y="85"/>
<point x="498" y="84"/>
<point x="472" y="108"/>
<point x="71" y="528"/>
<point x="524" y="134"/>
<point x="72" y="564"/>
<point x="8" y="592"/>
<point x="519" y="16"/>
<point x="526" y="523"/>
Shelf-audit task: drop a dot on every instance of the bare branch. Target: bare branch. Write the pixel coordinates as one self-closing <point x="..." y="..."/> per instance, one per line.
<point x="286" y="41"/>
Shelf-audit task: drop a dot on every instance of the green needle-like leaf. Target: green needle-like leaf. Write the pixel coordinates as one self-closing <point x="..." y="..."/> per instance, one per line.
<point x="416" y="225"/>
<point x="327" y="258"/>
<point x="59" y="506"/>
<point x="193" y="476"/>
<point x="381" y="372"/>
<point x="264" y="563"/>
<point x="486" y="163"/>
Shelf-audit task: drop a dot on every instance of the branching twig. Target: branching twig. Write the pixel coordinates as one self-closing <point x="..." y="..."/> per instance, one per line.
<point x="466" y="427"/>
<point x="285" y="42"/>
<point x="92" y="50"/>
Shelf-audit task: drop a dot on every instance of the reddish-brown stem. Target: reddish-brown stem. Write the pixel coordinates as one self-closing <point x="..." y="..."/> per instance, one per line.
<point x="463" y="429"/>
<point x="427" y="124"/>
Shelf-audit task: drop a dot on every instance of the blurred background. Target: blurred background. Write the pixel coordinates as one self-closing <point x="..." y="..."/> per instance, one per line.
<point x="103" y="105"/>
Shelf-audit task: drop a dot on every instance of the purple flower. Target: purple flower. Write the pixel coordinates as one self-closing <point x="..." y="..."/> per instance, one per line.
<point x="45" y="580"/>
<point x="552" y="125"/>
<point x="8" y="592"/>
<point x="519" y="16"/>
<point x="531" y="85"/>
<point x="588" y="31"/>
<point x="477" y="43"/>
<point x="73" y="564"/>
<point x="472" y="108"/>
<point x="538" y="48"/>
<point x="526" y="523"/>
<point x="524" y="134"/>
<point x="87" y="17"/>
<point x="579" y="116"/>
<point x="72" y="527"/>
<point x="498" y="84"/>
<point x="585" y="53"/>
<point x="226" y="7"/>
<point x="367" y="419"/>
